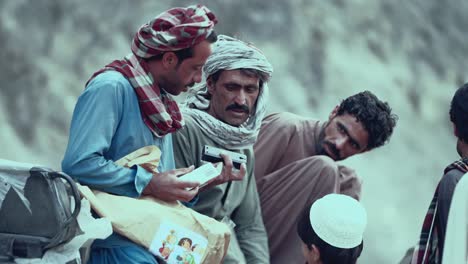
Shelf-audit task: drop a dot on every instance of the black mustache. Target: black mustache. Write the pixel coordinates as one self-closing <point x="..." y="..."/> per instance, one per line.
<point x="333" y="149"/>
<point x="244" y="108"/>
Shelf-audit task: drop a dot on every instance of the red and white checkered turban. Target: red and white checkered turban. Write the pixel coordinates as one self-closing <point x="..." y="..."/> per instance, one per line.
<point x="175" y="29"/>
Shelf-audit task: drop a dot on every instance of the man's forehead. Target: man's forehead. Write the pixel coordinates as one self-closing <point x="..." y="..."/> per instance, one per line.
<point x="239" y="75"/>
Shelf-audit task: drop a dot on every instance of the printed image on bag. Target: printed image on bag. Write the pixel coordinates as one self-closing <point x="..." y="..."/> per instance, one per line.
<point x="177" y="244"/>
<point x="144" y="221"/>
<point x="170" y="230"/>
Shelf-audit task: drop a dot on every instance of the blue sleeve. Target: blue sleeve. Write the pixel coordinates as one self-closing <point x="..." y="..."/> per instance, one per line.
<point x="94" y="123"/>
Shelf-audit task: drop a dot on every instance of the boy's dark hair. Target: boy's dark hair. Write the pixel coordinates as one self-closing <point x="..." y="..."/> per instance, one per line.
<point x="376" y="116"/>
<point x="328" y="253"/>
<point x="188" y="52"/>
<point x="459" y="112"/>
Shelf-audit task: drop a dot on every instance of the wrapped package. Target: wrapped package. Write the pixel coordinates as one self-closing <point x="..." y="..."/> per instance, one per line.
<point x="171" y="231"/>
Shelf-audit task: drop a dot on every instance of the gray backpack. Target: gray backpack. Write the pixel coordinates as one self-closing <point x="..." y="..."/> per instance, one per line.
<point x="36" y="210"/>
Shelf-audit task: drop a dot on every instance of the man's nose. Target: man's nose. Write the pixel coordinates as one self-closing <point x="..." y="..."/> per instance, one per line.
<point x="340" y="142"/>
<point x="240" y="97"/>
<point x="198" y="76"/>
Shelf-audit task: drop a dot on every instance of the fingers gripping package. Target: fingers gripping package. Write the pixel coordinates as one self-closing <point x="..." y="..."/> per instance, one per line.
<point x="213" y="155"/>
<point x="169" y="228"/>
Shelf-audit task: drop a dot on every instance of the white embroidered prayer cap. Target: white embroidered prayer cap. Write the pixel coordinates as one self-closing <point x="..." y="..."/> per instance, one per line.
<point x="339" y="220"/>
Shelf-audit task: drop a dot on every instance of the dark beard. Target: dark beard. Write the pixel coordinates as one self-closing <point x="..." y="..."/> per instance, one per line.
<point x="319" y="147"/>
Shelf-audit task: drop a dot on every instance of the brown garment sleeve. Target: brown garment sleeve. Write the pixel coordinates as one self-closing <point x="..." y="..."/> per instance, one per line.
<point x="350" y="183"/>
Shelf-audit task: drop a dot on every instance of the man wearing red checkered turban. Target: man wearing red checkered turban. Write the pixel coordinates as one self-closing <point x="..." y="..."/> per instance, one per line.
<point x="128" y="105"/>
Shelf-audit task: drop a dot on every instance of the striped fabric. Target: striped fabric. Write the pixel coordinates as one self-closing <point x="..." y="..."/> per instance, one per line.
<point x="175" y="29"/>
<point x="427" y="251"/>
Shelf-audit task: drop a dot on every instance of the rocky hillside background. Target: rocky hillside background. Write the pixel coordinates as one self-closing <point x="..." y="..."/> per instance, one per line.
<point x="412" y="53"/>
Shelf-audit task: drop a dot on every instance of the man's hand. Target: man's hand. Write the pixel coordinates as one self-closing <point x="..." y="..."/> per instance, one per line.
<point x="167" y="186"/>
<point x="227" y="174"/>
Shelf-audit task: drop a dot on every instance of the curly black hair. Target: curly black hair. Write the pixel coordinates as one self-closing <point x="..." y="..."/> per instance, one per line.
<point x="375" y="115"/>
<point x="459" y="112"/>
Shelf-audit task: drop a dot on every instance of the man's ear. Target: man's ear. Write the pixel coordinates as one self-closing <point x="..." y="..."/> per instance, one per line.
<point x="315" y="254"/>
<point x="169" y="60"/>
<point x="334" y="112"/>
<point x="455" y="130"/>
<point x="210" y="84"/>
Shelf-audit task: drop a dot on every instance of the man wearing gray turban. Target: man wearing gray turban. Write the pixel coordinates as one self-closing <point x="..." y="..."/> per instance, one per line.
<point x="225" y="112"/>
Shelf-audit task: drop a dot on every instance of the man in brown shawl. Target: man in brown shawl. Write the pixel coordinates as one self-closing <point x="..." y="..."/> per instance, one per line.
<point x="295" y="163"/>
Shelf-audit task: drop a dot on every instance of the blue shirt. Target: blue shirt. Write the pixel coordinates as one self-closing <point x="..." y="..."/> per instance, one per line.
<point x="106" y="126"/>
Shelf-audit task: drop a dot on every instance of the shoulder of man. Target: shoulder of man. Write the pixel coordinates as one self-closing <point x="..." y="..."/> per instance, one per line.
<point x="287" y="122"/>
<point x="190" y="123"/>
<point x="451" y="177"/>
<point x="190" y="133"/>
<point x="108" y="80"/>
<point x="283" y="118"/>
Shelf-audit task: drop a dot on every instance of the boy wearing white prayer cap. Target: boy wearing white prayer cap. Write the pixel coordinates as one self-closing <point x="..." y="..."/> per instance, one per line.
<point x="331" y="230"/>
